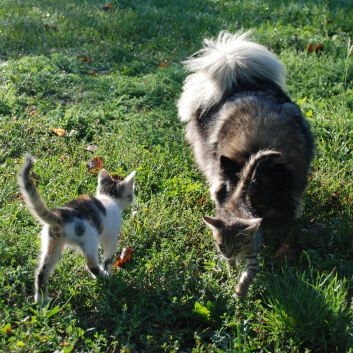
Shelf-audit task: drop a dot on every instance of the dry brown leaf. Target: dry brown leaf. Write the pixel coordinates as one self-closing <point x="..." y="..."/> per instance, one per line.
<point x="163" y="64"/>
<point x="85" y="59"/>
<point x="124" y="257"/>
<point x="319" y="48"/>
<point x="202" y="200"/>
<point x="59" y="132"/>
<point x="310" y="48"/>
<point x="95" y="164"/>
<point x="107" y="7"/>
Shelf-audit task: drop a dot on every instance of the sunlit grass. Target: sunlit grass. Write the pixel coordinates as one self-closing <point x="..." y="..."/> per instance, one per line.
<point x="110" y="79"/>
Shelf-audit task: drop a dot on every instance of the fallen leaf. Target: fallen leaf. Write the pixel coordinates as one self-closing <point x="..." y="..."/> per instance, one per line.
<point x="319" y="48"/>
<point x="336" y="195"/>
<point x="124" y="257"/>
<point x="85" y="59"/>
<point x="107" y="7"/>
<point x="59" y="132"/>
<point x="201" y="200"/>
<point x="310" y="48"/>
<point x="95" y="164"/>
<point x="163" y="64"/>
<point x="92" y="73"/>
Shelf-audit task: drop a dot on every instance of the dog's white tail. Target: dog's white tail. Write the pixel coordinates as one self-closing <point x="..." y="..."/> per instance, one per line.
<point x="222" y="65"/>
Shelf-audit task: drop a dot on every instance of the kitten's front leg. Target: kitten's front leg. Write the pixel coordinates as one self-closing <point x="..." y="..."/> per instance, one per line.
<point x="107" y="266"/>
<point x="109" y="248"/>
<point x="247" y="276"/>
<point x="41" y="284"/>
<point x="93" y="266"/>
<point x="231" y="265"/>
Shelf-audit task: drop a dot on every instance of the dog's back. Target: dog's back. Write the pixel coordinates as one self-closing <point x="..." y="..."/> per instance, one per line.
<point x="251" y="114"/>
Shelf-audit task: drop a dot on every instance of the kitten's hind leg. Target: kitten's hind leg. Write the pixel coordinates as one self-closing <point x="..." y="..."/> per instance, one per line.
<point x="51" y="254"/>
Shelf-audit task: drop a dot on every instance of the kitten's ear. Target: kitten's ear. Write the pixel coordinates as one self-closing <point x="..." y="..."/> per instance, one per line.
<point x="213" y="223"/>
<point x="129" y="180"/>
<point x="103" y="174"/>
<point x="252" y="225"/>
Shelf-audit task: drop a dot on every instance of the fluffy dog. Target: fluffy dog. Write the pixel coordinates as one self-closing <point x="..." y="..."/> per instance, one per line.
<point x="250" y="141"/>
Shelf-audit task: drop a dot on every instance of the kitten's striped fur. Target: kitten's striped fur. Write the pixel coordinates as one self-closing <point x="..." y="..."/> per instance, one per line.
<point x="250" y="141"/>
<point x="85" y="223"/>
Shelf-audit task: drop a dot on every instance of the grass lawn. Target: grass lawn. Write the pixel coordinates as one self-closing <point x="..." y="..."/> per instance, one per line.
<point x="109" y="77"/>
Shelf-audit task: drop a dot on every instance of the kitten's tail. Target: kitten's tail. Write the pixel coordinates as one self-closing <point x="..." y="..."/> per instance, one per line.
<point x="248" y="174"/>
<point x="223" y="65"/>
<point x="31" y="196"/>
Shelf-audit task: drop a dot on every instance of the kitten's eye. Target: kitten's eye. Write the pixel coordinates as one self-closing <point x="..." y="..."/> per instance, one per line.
<point x="236" y="247"/>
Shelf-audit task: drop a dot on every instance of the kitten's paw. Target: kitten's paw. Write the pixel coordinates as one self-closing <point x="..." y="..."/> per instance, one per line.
<point x="240" y="293"/>
<point x="238" y="296"/>
<point x="38" y="298"/>
<point x="104" y="274"/>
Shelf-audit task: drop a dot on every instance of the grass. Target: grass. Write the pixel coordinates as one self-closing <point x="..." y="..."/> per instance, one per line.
<point x="110" y="79"/>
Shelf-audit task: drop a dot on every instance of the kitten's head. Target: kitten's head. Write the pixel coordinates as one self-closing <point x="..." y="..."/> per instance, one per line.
<point x="120" y="189"/>
<point x="234" y="240"/>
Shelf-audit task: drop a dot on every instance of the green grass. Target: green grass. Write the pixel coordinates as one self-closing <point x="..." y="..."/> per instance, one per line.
<point x="110" y="79"/>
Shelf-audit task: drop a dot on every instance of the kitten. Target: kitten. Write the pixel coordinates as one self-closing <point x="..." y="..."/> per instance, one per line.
<point x="250" y="141"/>
<point x="84" y="223"/>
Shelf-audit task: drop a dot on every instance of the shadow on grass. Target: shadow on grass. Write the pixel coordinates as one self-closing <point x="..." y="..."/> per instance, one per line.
<point x="136" y="314"/>
<point x="143" y="34"/>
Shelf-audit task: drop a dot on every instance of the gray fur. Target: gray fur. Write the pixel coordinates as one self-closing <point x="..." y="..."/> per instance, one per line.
<point x="249" y="139"/>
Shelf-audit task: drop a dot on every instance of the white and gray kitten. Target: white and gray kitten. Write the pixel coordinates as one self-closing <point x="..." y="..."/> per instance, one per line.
<point x="84" y="223"/>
